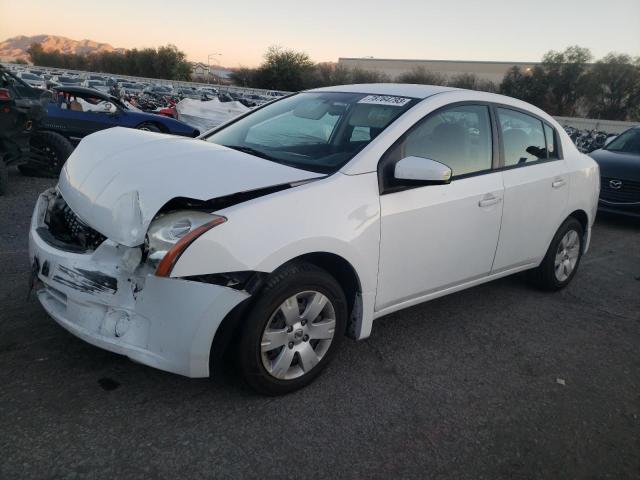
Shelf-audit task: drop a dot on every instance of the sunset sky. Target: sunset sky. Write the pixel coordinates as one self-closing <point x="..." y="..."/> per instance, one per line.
<point x="507" y="30"/>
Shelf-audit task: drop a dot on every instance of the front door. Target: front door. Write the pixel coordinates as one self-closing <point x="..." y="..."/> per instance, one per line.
<point x="437" y="236"/>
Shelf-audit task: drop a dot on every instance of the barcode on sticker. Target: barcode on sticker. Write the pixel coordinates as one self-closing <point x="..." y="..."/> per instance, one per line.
<point x="385" y="100"/>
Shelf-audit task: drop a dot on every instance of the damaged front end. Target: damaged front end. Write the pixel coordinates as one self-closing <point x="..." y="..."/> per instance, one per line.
<point x="110" y="295"/>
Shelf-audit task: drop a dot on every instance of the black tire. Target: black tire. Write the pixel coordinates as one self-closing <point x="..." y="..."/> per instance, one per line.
<point x="49" y="151"/>
<point x="544" y="277"/>
<point x="284" y="283"/>
<point x="4" y="177"/>
<point x="149" y="127"/>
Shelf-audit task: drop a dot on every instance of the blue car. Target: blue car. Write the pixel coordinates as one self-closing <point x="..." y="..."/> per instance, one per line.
<point x="75" y="112"/>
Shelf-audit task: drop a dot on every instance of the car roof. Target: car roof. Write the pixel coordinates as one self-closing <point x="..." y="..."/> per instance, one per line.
<point x="396" y="89"/>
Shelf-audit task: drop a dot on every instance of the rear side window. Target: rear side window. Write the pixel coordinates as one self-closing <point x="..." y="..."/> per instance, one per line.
<point x="523" y="137"/>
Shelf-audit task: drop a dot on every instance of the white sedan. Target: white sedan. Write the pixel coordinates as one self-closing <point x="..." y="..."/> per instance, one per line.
<point x="300" y="222"/>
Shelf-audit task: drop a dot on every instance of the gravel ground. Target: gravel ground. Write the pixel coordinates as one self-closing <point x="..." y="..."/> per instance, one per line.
<point x="499" y="381"/>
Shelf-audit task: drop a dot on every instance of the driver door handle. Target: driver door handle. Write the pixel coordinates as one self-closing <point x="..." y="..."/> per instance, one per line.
<point x="559" y="182"/>
<point x="488" y="201"/>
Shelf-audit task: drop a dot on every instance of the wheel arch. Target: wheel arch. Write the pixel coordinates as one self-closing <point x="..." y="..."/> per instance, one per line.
<point x="583" y="218"/>
<point x="337" y="266"/>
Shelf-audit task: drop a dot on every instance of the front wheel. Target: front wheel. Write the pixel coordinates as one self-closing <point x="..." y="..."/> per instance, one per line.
<point x="560" y="264"/>
<point x="293" y="329"/>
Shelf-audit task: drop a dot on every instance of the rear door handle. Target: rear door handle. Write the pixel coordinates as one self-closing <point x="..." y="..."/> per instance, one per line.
<point x="487" y="202"/>
<point x="559" y="182"/>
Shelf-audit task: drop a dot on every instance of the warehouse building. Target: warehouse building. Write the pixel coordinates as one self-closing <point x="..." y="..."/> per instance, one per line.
<point x="492" y="71"/>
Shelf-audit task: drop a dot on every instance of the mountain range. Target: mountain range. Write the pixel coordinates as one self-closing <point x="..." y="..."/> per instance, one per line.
<point x="16" y="47"/>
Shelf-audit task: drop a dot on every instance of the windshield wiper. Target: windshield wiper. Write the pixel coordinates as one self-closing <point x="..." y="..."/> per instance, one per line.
<point x="251" y="151"/>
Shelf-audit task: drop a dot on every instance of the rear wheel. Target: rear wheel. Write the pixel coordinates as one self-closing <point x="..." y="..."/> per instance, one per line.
<point x="293" y="330"/>
<point x="560" y="264"/>
<point x="48" y="152"/>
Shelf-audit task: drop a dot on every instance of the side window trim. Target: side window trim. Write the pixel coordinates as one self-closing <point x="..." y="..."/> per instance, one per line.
<point x="502" y="166"/>
<point x="496" y="152"/>
<point x="556" y="144"/>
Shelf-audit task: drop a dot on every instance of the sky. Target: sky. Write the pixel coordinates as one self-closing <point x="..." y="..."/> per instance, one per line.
<point x="241" y="31"/>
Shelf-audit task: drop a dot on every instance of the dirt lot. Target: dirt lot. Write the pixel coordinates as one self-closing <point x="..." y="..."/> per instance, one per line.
<point x="500" y="381"/>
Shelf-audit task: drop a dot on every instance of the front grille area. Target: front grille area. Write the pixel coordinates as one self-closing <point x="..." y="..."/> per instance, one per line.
<point x="65" y="227"/>
<point x="629" y="191"/>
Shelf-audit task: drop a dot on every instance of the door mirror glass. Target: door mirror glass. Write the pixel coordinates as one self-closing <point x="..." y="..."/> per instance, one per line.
<point x="422" y="170"/>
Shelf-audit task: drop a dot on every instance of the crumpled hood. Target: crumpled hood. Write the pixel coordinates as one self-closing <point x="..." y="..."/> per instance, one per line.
<point x="116" y="180"/>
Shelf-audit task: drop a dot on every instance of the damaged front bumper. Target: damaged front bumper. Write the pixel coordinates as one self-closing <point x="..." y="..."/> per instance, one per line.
<point x="107" y="298"/>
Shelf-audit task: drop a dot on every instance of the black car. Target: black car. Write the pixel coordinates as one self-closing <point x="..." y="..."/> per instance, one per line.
<point x="23" y="142"/>
<point x="620" y="174"/>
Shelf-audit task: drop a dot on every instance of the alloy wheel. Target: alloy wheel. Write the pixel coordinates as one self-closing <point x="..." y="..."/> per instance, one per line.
<point x="567" y="255"/>
<point x="298" y="335"/>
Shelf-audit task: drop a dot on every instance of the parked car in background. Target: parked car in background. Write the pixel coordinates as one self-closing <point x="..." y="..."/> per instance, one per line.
<point x="67" y="80"/>
<point x="129" y="88"/>
<point x="35" y="81"/>
<point x="21" y="111"/>
<point x="99" y="85"/>
<point x="159" y="90"/>
<point x="99" y="78"/>
<point x="619" y="162"/>
<point x="188" y="92"/>
<point x="75" y="112"/>
<point x="305" y="220"/>
<point x="23" y="142"/>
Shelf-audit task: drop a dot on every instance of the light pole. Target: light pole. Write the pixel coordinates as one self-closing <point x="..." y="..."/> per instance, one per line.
<point x="209" y="65"/>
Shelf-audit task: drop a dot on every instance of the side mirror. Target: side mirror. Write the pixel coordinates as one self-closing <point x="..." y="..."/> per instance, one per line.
<point x="609" y="140"/>
<point x="422" y="171"/>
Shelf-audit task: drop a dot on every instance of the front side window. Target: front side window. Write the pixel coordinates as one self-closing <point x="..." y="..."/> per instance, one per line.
<point x="522" y="137"/>
<point x="458" y="137"/>
<point x="316" y="131"/>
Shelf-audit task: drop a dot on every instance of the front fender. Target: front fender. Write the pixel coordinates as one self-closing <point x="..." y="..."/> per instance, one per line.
<point x="339" y="214"/>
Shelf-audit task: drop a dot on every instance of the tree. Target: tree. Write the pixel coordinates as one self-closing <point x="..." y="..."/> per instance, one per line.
<point x="243" y="76"/>
<point x="530" y="85"/>
<point x="283" y="69"/>
<point x="564" y="73"/>
<point x="359" y="75"/>
<point x="164" y="62"/>
<point x="471" y="81"/>
<point x="421" y="75"/>
<point x="613" y="88"/>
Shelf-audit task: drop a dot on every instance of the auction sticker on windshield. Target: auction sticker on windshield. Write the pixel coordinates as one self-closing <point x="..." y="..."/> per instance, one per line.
<point x="385" y="100"/>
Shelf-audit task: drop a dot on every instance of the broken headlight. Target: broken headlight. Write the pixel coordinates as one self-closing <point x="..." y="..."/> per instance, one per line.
<point x="171" y="233"/>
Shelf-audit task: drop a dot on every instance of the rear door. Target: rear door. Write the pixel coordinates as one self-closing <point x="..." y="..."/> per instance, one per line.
<point x="536" y="188"/>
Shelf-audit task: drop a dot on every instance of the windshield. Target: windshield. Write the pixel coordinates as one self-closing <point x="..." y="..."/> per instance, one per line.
<point x="627" y="142"/>
<point x="313" y="131"/>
